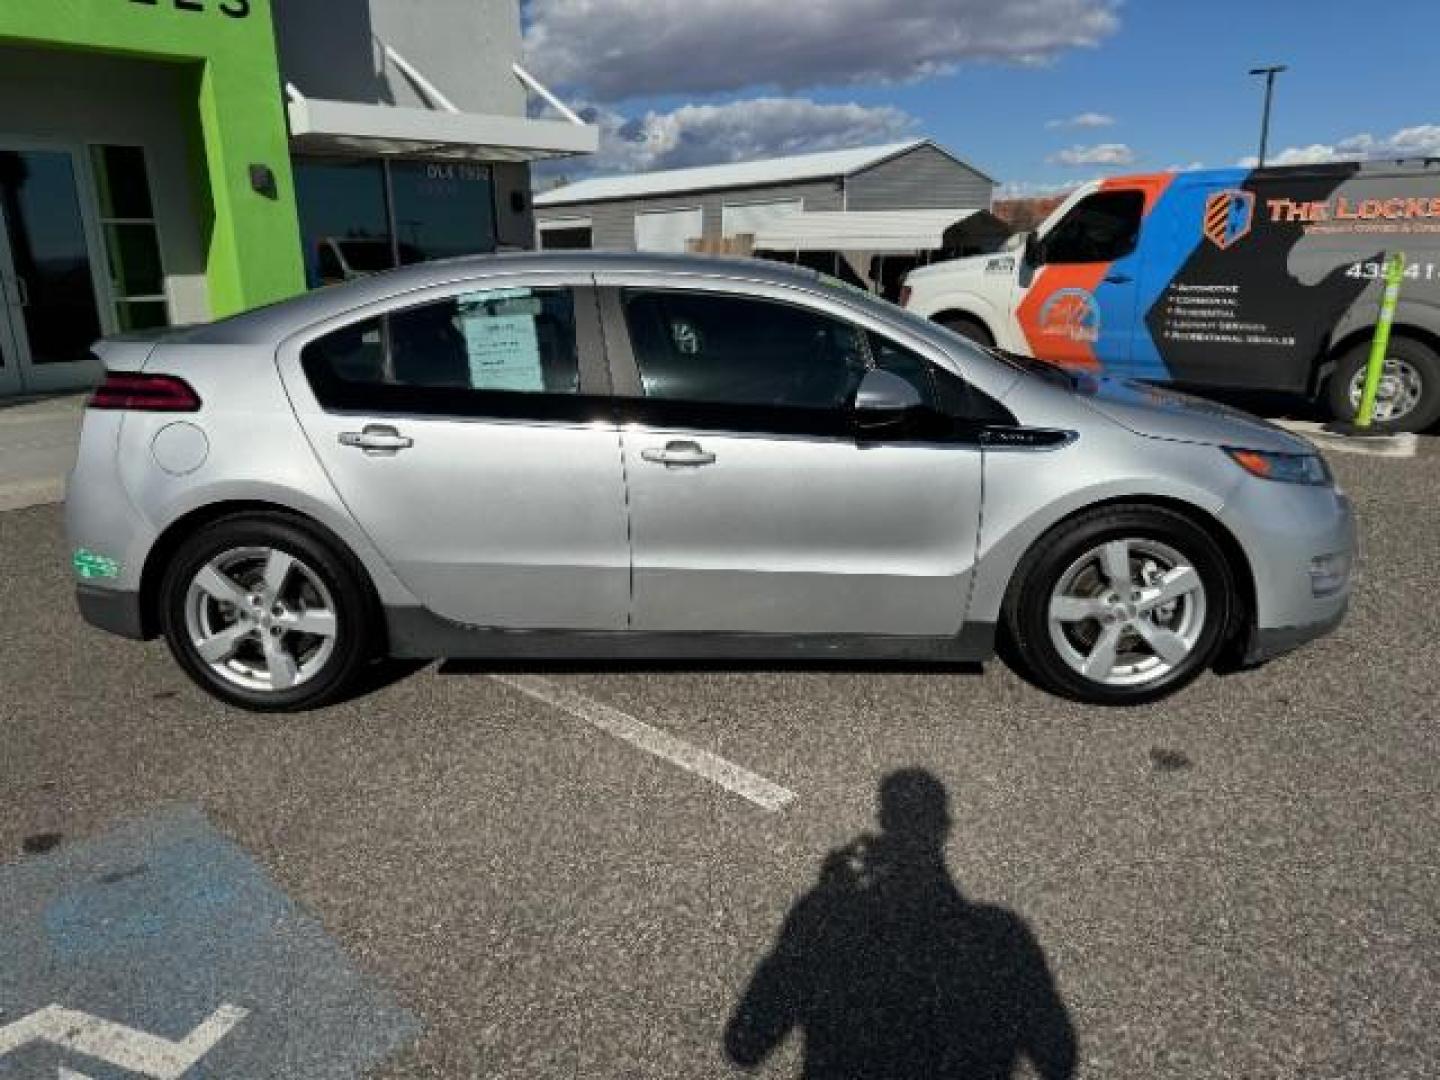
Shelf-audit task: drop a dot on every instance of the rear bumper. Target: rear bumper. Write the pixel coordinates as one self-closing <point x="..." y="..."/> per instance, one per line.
<point x="116" y="611"/>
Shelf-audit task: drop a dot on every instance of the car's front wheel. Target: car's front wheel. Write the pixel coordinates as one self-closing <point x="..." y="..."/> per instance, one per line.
<point x="264" y="615"/>
<point x="1122" y="605"/>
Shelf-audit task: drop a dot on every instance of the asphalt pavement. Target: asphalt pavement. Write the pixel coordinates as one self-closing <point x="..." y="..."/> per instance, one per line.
<point x="465" y="875"/>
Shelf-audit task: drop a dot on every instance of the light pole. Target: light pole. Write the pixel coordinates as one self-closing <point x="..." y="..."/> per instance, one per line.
<point x="1269" y="73"/>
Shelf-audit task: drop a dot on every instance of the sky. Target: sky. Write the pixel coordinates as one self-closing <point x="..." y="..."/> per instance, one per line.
<point x="1040" y="94"/>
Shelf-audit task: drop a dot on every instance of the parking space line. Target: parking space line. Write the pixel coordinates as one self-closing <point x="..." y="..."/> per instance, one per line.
<point x="661" y="744"/>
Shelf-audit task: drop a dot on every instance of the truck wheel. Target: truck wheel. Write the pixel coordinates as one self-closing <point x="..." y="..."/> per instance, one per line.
<point x="1409" y="398"/>
<point x="968" y="328"/>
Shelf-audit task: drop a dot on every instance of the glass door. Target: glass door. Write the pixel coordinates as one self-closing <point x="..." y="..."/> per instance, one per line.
<point x="47" y="270"/>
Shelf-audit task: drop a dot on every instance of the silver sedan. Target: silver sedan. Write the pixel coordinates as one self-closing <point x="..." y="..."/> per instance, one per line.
<point x="640" y="457"/>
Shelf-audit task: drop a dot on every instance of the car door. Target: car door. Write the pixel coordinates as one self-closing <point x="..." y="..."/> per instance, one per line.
<point x="470" y="436"/>
<point x="753" y="506"/>
<point x="1078" y="306"/>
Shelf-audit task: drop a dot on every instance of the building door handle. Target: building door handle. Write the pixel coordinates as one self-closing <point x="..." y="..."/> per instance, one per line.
<point x="679" y="454"/>
<point x="1119" y="279"/>
<point x="377" y="440"/>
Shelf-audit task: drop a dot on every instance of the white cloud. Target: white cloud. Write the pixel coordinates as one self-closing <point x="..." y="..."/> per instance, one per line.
<point x="1082" y="120"/>
<point x="735" y="131"/>
<point x="1422" y="140"/>
<point x="1099" y="154"/>
<point x="611" y="50"/>
<point x="1185" y="168"/>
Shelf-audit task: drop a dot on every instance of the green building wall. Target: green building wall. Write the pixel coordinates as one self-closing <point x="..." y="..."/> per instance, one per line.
<point x="253" y="253"/>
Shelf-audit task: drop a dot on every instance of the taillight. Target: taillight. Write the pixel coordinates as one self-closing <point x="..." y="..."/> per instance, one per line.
<point x="904" y="295"/>
<point x="144" y="393"/>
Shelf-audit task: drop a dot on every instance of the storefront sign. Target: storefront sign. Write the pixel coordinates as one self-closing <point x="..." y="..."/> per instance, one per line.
<point x="235" y="9"/>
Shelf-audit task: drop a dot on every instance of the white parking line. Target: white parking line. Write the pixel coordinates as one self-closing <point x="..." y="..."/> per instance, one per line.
<point x="661" y="744"/>
<point x="1390" y="446"/>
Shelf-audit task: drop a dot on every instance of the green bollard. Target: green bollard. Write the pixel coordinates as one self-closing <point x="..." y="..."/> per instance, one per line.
<point x="1394" y="274"/>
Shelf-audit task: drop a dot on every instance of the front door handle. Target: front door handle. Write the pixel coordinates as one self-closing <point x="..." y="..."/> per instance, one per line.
<point x="1119" y="279"/>
<point x="679" y="454"/>
<point x="378" y="440"/>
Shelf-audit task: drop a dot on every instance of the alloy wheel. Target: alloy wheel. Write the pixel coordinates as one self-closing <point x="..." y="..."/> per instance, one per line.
<point x="261" y="619"/>
<point x="1128" y="612"/>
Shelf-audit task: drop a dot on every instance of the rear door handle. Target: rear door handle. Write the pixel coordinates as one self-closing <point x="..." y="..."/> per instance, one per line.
<point x="679" y="454"/>
<point x="1119" y="279"/>
<point x="378" y="440"/>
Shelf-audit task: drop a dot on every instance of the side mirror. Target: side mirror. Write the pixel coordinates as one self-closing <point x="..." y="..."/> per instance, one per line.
<point x="1034" y="250"/>
<point x="885" y="403"/>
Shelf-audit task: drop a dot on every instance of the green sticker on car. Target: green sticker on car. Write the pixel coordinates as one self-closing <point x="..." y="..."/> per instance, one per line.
<point x="90" y="565"/>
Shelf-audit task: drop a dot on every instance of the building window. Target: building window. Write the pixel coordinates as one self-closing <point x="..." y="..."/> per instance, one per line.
<point x="344" y="220"/>
<point x="361" y="217"/>
<point x="132" y="239"/>
<point x="442" y="209"/>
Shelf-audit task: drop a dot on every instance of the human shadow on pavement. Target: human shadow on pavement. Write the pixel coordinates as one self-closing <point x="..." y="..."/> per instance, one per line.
<point x="887" y="971"/>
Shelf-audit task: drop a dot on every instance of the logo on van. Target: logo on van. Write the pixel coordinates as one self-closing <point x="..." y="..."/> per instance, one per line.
<point x="1071" y="313"/>
<point x="1228" y="217"/>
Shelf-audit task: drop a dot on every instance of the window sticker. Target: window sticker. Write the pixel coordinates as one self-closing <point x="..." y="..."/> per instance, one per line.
<point x="502" y="346"/>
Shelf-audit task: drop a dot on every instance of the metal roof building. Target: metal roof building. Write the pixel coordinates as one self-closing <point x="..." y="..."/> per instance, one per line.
<point x="667" y="211"/>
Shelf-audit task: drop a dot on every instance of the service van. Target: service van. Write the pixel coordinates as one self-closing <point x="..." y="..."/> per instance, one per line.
<point x="1256" y="279"/>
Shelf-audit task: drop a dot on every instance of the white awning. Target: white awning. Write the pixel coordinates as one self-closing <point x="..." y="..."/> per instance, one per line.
<point x="319" y="126"/>
<point x="877" y="231"/>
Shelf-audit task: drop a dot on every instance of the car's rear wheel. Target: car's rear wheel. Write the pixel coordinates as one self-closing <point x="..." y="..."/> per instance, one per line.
<point x="1122" y="605"/>
<point x="1409" y="392"/>
<point x="264" y="615"/>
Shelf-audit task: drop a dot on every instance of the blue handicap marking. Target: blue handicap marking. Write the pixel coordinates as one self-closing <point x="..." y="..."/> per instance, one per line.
<point x="161" y="949"/>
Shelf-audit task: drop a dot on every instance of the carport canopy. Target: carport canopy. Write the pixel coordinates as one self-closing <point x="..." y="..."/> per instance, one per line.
<point x="880" y="232"/>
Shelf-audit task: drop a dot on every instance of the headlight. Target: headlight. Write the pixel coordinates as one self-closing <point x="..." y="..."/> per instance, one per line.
<point x="1287" y="468"/>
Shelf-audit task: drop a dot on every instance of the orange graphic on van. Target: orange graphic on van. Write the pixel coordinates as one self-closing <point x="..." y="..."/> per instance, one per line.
<point x="1228" y="217"/>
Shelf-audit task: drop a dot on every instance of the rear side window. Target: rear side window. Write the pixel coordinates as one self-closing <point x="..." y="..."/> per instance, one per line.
<point x="714" y="349"/>
<point x="1101" y="228"/>
<point x="474" y="345"/>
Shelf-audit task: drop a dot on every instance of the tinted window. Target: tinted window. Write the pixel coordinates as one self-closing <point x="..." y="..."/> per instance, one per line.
<point x="442" y="209"/>
<point x="911" y="367"/>
<point x="943" y="391"/>
<point x="1101" y="228"/>
<point x="730" y="350"/>
<point x="508" y="341"/>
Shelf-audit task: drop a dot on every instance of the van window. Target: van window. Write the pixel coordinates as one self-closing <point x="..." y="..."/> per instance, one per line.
<point x="1099" y="228"/>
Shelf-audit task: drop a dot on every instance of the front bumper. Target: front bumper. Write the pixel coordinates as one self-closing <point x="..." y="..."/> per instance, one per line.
<point x="114" y="610"/>
<point x="1268" y="643"/>
<point x="1290" y="532"/>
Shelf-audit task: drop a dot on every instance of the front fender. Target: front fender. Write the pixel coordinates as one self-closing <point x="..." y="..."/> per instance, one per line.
<point x="1028" y="493"/>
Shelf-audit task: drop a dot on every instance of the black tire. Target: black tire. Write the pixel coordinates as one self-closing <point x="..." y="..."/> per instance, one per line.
<point x="1420" y="358"/>
<point x="356" y="611"/>
<point x="967" y="327"/>
<point x="1026" y="611"/>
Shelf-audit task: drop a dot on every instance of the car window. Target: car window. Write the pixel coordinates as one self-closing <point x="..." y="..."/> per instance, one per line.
<point x="945" y="393"/>
<point x="708" y="348"/>
<point x="912" y="367"/>
<point x="1101" y="228"/>
<point x="497" y="340"/>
